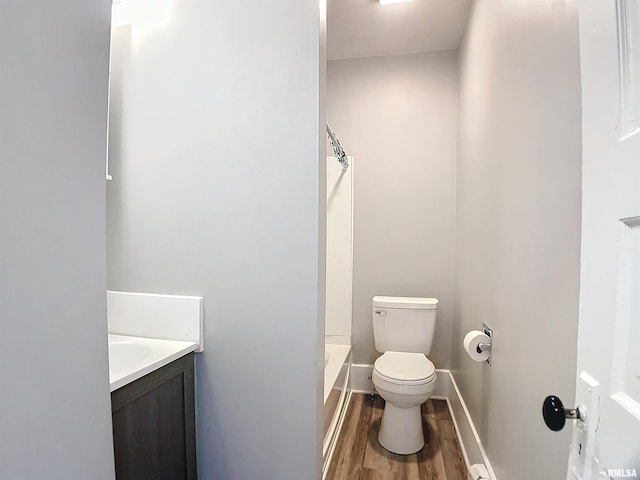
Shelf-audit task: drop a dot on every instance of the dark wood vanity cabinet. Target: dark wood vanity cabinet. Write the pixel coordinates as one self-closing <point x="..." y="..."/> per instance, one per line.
<point x="154" y="425"/>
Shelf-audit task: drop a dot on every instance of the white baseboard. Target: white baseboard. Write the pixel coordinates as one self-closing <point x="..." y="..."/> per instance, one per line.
<point x="472" y="448"/>
<point x="361" y="378"/>
<point x="446" y="389"/>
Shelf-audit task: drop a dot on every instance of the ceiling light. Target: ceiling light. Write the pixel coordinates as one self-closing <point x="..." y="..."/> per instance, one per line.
<point x="384" y="2"/>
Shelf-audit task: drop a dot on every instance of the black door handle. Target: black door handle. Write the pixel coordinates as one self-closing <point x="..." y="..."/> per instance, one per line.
<point x="555" y="415"/>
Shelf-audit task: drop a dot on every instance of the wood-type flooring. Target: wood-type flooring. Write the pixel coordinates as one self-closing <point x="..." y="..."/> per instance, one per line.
<point x="359" y="456"/>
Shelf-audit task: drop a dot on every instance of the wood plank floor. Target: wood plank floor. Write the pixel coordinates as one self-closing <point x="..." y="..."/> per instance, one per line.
<point x="359" y="456"/>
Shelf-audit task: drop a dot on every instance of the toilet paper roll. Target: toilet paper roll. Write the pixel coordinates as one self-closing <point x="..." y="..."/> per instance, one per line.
<point x="471" y="342"/>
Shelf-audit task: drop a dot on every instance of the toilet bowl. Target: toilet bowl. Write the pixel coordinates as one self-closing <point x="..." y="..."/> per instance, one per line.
<point x="403" y="376"/>
<point x="405" y="381"/>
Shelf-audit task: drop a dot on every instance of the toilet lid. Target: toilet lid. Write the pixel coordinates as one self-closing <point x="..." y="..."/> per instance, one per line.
<point x="405" y="367"/>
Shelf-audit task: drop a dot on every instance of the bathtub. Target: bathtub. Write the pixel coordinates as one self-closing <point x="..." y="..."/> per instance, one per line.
<point x="336" y="391"/>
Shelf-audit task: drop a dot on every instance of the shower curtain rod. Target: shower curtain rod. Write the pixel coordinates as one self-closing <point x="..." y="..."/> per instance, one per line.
<point x="337" y="148"/>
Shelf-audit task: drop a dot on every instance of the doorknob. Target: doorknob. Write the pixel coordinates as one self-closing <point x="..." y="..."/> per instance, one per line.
<point x="555" y="415"/>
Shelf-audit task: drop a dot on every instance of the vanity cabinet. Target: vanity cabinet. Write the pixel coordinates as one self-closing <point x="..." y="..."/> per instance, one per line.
<point x="154" y="425"/>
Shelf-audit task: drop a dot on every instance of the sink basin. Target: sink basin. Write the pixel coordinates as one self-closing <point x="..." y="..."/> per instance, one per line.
<point x="125" y="355"/>
<point x="133" y="357"/>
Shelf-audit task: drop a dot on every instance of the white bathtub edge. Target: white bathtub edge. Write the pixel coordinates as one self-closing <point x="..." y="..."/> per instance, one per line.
<point x="339" y="365"/>
<point x="338" y="356"/>
<point x="336" y="435"/>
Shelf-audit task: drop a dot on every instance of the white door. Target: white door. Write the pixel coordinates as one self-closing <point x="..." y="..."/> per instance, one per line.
<point x="607" y="445"/>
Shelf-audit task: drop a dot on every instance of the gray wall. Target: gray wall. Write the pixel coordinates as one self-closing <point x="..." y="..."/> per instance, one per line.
<point x="397" y="116"/>
<point x="55" y="411"/>
<point x="217" y="191"/>
<point x="518" y="226"/>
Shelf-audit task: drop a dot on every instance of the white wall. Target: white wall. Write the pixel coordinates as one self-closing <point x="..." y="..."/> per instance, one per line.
<point x="218" y="192"/>
<point x="55" y="410"/>
<point x="397" y="116"/>
<point x="518" y="226"/>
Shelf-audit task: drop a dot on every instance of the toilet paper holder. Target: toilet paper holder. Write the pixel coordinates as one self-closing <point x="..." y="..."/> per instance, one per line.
<point x="483" y="347"/>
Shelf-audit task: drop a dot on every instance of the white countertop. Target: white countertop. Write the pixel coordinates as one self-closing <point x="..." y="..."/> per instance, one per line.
<point x="133" y="357"/>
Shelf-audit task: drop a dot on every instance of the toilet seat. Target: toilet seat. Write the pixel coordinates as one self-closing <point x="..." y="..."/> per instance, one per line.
<point x="404" y="368"/>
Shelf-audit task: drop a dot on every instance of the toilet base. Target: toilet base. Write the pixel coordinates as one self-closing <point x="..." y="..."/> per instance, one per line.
<point x="401" y="429"/>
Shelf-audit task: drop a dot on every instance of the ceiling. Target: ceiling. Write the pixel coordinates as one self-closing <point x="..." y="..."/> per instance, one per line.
<point x="362" y="28"/>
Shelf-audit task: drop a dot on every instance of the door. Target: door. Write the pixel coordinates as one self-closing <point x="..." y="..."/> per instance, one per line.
<point x="607" y="444"/>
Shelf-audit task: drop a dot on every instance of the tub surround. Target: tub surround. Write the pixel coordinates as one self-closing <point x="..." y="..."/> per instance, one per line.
<point x="339" y="277"/>
<point x="338" y="321"/>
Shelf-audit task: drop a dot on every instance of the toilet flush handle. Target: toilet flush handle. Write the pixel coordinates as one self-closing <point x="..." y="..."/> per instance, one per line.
<point x="380" y="312"/>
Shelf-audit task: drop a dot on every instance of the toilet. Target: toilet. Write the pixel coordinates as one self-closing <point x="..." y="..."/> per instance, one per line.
<point x="403" y="375"/>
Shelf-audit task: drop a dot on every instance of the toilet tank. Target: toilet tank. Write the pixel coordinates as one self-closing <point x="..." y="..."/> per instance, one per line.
<point x="404" y="324"/>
